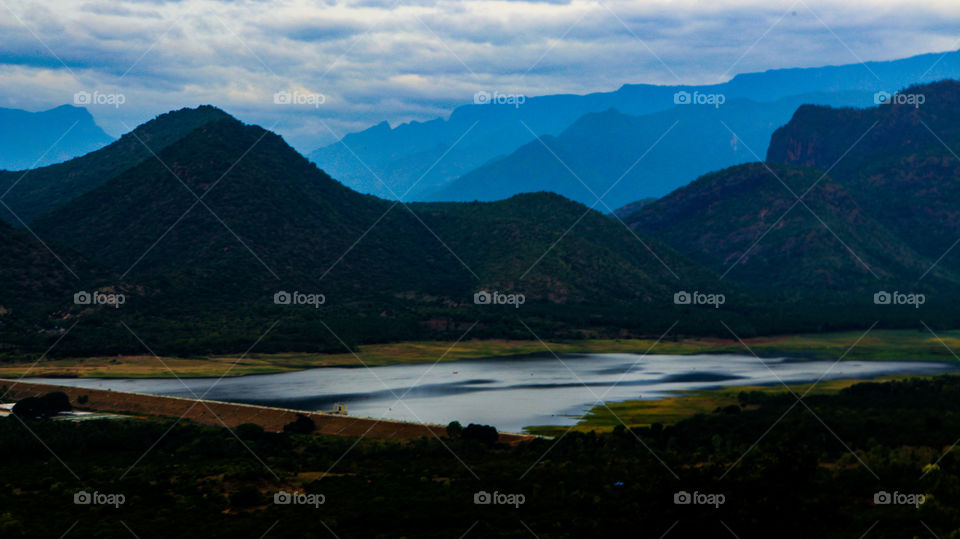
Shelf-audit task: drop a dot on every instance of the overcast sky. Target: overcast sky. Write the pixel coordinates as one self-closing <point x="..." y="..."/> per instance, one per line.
<point x="374" y="60"/>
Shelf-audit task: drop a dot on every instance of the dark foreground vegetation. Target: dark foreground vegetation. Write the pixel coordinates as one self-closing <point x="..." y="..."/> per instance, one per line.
<point x="769" y="467"/>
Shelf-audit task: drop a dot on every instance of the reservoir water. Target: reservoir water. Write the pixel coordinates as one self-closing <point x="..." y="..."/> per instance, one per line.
<point x="509" y="393"/>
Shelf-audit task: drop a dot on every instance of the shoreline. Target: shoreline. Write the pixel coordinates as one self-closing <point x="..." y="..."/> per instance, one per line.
<point x="602" y="418"/>
<point x="233" y="414"/>
<point x="878" y="345"/>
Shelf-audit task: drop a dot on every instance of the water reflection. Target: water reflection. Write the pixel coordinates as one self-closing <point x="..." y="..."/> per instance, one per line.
<point x="509" y="393"/>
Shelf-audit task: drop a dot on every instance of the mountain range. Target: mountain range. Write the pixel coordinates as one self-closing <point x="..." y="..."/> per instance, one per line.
<point x="847" y="200"/>
<point x="33" y="139"/>
<point x="202" y="231"/>
<point x="202" y="222"/>
<point x="609" y="159"/>
<point x="481" y="150"/>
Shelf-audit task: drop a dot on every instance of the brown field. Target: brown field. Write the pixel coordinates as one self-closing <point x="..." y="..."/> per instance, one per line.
<point x="230" y="415"/>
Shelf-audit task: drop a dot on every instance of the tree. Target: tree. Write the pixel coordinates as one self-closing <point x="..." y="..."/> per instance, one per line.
<point x="481" y="433"/>
<point x="57" y="401"/>
<point x="42" y="407"/>
<point x="454" y="429"/>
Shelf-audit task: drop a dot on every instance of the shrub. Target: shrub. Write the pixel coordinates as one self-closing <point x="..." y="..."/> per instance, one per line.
<point x="303" y="425"/>
<point x="481" y="433"/>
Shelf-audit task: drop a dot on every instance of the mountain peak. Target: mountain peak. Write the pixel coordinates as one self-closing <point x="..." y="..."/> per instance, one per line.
<point x="186" y="116"/>
<point x="896" y="159"/>
<point x="819" y="136"/>
<point x="70" y="110"/>
<point x="47" y="188"/>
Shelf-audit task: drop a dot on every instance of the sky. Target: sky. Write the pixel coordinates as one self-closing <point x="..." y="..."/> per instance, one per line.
<point x="316" y="70"/>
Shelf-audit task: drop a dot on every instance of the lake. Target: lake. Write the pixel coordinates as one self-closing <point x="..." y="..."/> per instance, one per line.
<point x="510" y="393"/>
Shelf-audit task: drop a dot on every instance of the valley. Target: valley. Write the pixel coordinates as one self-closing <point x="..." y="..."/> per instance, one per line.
<point x="265" y="302"/>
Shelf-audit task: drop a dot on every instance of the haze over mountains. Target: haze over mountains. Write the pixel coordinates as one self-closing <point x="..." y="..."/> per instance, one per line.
<point x="36" y="139"/>
<point x="407" y="158"/>
<point x="620" y="158"/>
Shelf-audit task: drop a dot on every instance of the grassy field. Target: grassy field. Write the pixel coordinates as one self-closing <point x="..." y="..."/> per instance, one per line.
<point x="642" y="413"/>
<point x="877" y="345"/>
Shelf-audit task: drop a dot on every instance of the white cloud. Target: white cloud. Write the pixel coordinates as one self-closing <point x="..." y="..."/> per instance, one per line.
<point x="415" y="59"/>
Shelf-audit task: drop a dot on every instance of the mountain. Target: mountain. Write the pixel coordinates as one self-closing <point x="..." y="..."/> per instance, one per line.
<point x="298" y="221"/>
<point x="633" y="207"/>
<point x="597" y="261"/>
<point x="423" y="157"/>
<point x="622" y="158"/>
<point x="31" y="193"/>
<point x="272" y="221"/>
<point x="879" y="193"/>
<point x="33" y="277"/>
<point x="745" y="221"/>
<point x="32" y="139"/>
<point x="201" y="276"/>
<point x="898" y="161"/>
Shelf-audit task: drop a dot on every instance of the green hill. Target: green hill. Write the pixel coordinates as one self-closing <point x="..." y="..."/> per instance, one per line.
<point x="745" y="223"/>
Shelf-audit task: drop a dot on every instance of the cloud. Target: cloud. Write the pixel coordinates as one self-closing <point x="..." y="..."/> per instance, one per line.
<point x="402" y="60"/>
